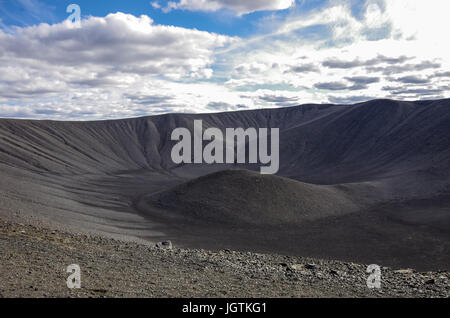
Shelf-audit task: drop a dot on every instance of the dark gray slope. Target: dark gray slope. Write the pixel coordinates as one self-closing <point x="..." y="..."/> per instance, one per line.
<point x="123" y="145"/>
<point x="243" y="198"/>
<point x="245" y="210"/>
<point x="326" y="144"/>
<point x="389" y="159"/>
<point x="368" y="141"/>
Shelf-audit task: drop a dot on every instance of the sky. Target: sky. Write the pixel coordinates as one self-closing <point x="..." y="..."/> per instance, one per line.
<point x="137" y="58"/>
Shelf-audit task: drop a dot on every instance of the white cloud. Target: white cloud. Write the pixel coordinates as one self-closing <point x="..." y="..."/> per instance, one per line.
<point x="124" y="66"/>
<point x="119" y="42"/>
<point x="335" y="62"/>
<point x="95" y="64"/>
<point x="239" y="6"/>
<point x="155" y="5"/>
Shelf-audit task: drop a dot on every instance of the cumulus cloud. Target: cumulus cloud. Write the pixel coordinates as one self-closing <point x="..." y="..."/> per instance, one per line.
<point x="339" y="86"/>
<point x="239" y="6"/>
<point x="280" y="100"/>
<point x="442" y="74"/>
<point x="349" y="99"/>
<point x="119" y="42"/>
<point x="334" y="86"/>
<point x="364" y="80"/>
<point x="125" y="66"/>
<point x="396" y="69"/>
<point x="98" y="61"/>
<point x="413" y="80"/>
<point x="380" y="59"/>
<point x="149" y="99"/>
<point x="336" y="63"/>
<point x="335" y="51"/>
<point x="220" y="106"/>
<point x="304" y="68"/>
<point x="418" y="91"/>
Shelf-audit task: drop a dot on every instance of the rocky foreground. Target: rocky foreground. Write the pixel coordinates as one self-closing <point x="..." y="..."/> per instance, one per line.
<point x="34" y="260"/>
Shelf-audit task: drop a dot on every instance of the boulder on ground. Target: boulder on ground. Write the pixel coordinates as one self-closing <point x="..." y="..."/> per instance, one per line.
<point x="165" y="245"/>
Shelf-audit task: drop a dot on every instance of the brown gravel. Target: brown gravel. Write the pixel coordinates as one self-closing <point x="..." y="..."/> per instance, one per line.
<point x="34" y="261"/>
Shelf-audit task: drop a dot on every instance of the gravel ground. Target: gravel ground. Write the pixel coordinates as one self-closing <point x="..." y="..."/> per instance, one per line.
<point x="34" y="260"/>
